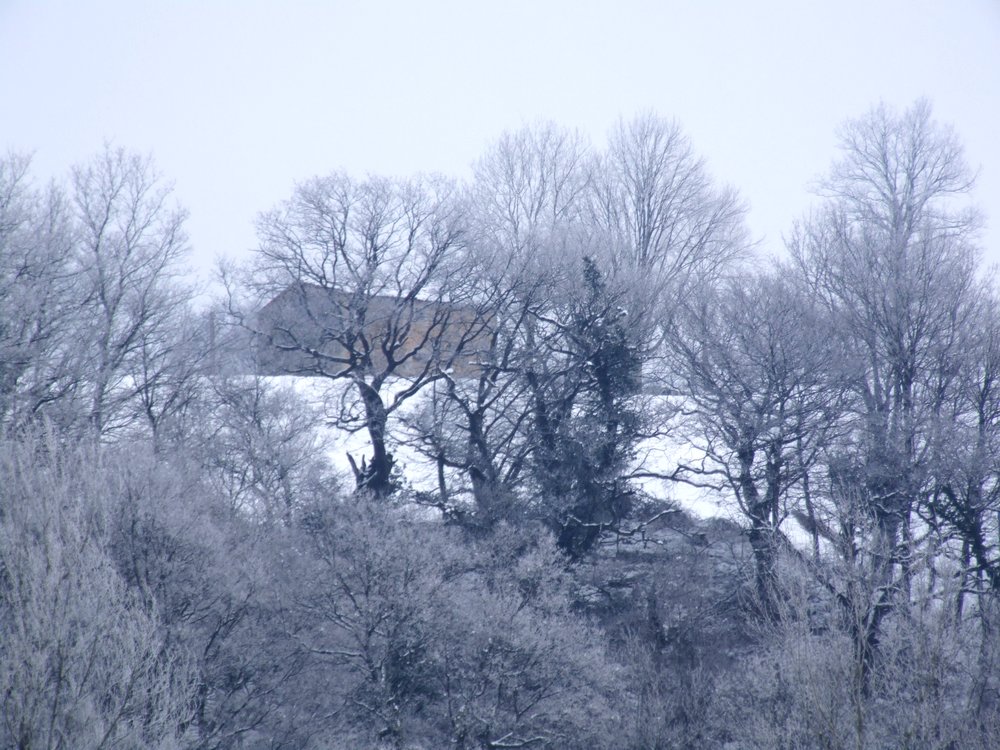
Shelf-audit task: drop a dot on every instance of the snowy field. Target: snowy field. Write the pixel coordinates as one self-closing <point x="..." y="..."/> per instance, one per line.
<point x="656" y="456"/>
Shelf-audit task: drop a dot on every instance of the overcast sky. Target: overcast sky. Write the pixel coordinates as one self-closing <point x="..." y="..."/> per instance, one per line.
<point x="237" y="101"/>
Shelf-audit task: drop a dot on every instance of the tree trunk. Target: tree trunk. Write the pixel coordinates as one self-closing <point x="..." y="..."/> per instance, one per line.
<point x="761" y="537"/>
<point x="375" y="475"/>
<point x="486" y="490"/>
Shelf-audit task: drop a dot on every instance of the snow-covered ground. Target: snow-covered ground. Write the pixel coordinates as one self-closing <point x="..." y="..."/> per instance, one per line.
<point x="655" y="456"/>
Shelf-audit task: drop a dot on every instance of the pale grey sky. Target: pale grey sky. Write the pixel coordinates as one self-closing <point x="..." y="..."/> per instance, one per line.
<point x="238" y="100"/>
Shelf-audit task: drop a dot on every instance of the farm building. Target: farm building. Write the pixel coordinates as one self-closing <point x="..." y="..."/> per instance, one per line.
<point x="309" y="329"/>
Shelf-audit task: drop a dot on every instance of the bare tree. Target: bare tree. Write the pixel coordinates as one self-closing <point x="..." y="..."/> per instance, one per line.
<point x="365" y="278"/>
<point x="171" y="372"/>
<point x="130" y="244"/>
<point x="39" y="301"/>
<point x="758" y="371"/>
<point x="530" y="183"/>
<point x="261" y="448"/>
<point x="966" y="459"/>
<point x="892" y="257"/>
<point x="475" y="421"/>
<point x="532" y="238"/>
<point x="526" y="200"/>
<point x="655" y="200"/>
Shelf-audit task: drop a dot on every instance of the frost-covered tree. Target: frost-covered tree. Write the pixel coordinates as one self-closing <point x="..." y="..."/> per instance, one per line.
<point x="84" y="661"/>
<point x="892" y="257"/>
<point x="365" y="282"/>
<point x="129" y="249"/>
<point x="40" y="301"/>
<point x="759" y="372"/>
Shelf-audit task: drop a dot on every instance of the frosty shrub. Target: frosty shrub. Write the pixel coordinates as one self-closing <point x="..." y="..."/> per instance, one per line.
<point x="83" y="660"/>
